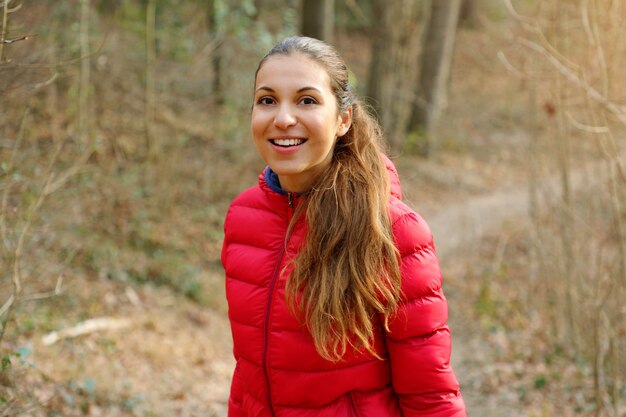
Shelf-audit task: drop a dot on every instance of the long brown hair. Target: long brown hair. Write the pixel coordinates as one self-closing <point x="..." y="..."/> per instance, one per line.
<point x="347" y="270"/>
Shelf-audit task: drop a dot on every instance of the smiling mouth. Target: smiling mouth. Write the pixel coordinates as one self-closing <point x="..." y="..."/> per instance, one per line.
<point x="286" y="143"/>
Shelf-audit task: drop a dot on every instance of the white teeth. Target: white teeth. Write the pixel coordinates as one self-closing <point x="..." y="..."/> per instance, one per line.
<point x="288" y="142"/>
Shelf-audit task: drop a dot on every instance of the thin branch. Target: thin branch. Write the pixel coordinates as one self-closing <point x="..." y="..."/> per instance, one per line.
<point x="21" y="38"/>
<point x="63" y="63"/>
<point x="552" y="50"/>
<point x="58" y="290"/>
<point x="516" y="15"/>
<point x="576" y="80"/>
<point x="47" y="82"/>
<point x="509" y="66"/>
<point x="584" y="13"/>
<point x="6" y="305"/>
<point x="59" y="180"/>
<point x="584" y="127"/>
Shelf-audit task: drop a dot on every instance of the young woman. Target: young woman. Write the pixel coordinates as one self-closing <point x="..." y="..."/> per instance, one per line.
<point x="333" y="285"/>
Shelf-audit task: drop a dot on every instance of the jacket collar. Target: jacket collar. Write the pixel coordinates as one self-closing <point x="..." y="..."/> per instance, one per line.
<point x="271" y="180"/>
<point x="268" y="180"/>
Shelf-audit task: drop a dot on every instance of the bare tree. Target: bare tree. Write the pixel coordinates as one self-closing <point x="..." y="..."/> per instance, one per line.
<point x="381" y="46"/>
<point x="435" y="64"/>
<point x="317" y="19"/>
<point x="216" y="35"/>
<point x="391" y="72"/>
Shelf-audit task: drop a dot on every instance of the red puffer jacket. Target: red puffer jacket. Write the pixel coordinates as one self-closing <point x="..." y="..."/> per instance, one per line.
<point x="278" y="371"/>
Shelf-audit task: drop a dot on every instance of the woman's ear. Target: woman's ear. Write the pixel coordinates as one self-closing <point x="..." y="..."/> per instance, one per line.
<point x="345" y="121"/>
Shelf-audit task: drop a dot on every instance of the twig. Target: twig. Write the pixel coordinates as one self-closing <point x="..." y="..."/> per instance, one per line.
<point x="584" y="127"/>
<point x="59" y="180"/>
<point x="507" y="64"/>
<point x="85" y="327"/>
<point x="47" y="82"/>
<point x="7" y="304"/>
<point x="64" y="63"/>
<point x="21" y="38"/>
<point x="516" y="15"/>
<point x="7" y="2"/>
<point x="58" y="290"/>
<point x="584" y="13"/>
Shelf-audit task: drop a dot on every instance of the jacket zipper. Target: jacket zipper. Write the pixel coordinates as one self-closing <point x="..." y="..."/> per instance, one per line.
<point x="269" y="307"/>
<point x="290" y="202"/>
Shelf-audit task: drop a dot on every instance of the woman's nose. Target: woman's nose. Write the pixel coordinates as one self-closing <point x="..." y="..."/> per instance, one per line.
<point x="284" y="118"/>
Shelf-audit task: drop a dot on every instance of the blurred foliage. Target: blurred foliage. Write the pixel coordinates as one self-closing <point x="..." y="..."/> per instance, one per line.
<point x="150" y="222"/>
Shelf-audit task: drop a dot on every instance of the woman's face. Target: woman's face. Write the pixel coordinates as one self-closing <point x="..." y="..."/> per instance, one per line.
<point x="295" y="122"/>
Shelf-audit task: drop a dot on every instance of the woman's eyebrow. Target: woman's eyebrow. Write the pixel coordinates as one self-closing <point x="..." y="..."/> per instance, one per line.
<point x="309" y="88"/>
<point x="271" y="90"/>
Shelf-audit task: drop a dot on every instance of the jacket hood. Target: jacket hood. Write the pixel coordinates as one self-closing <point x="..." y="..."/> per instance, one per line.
<point x="268" y="179"/>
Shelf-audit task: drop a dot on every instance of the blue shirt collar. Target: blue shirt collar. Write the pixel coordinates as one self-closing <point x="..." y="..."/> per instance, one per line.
<point x="272" y="181"/>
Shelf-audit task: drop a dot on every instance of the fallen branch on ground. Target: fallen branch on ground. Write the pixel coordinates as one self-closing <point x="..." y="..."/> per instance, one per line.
<point x="85" y="327"/>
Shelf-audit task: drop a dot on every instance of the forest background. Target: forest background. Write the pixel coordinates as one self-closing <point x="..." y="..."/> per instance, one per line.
<point x="124" y="136"/>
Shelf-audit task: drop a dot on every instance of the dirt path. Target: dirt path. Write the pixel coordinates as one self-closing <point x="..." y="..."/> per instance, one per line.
<point x="457" y="229"/>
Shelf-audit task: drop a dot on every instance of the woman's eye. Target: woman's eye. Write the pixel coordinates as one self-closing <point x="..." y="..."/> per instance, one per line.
<point x="308" y="100"/>
<point x="265" y="100"/>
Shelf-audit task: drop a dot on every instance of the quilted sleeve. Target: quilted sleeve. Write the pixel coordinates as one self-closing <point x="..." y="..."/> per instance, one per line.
<point x="419" y="341"/>
<point x="235" y="408"/>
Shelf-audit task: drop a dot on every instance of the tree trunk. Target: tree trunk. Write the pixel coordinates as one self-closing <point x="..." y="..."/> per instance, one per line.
<point x="468" y="13"/>
<point x="318" y="18"/>
<point x="391" y="72"/>
<point x="435" y="64"/>
<point x="217" y="58"/>
<point x="378" y="69"/>
<point x="5" y="29"/>
<point x="150" y="110"/>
